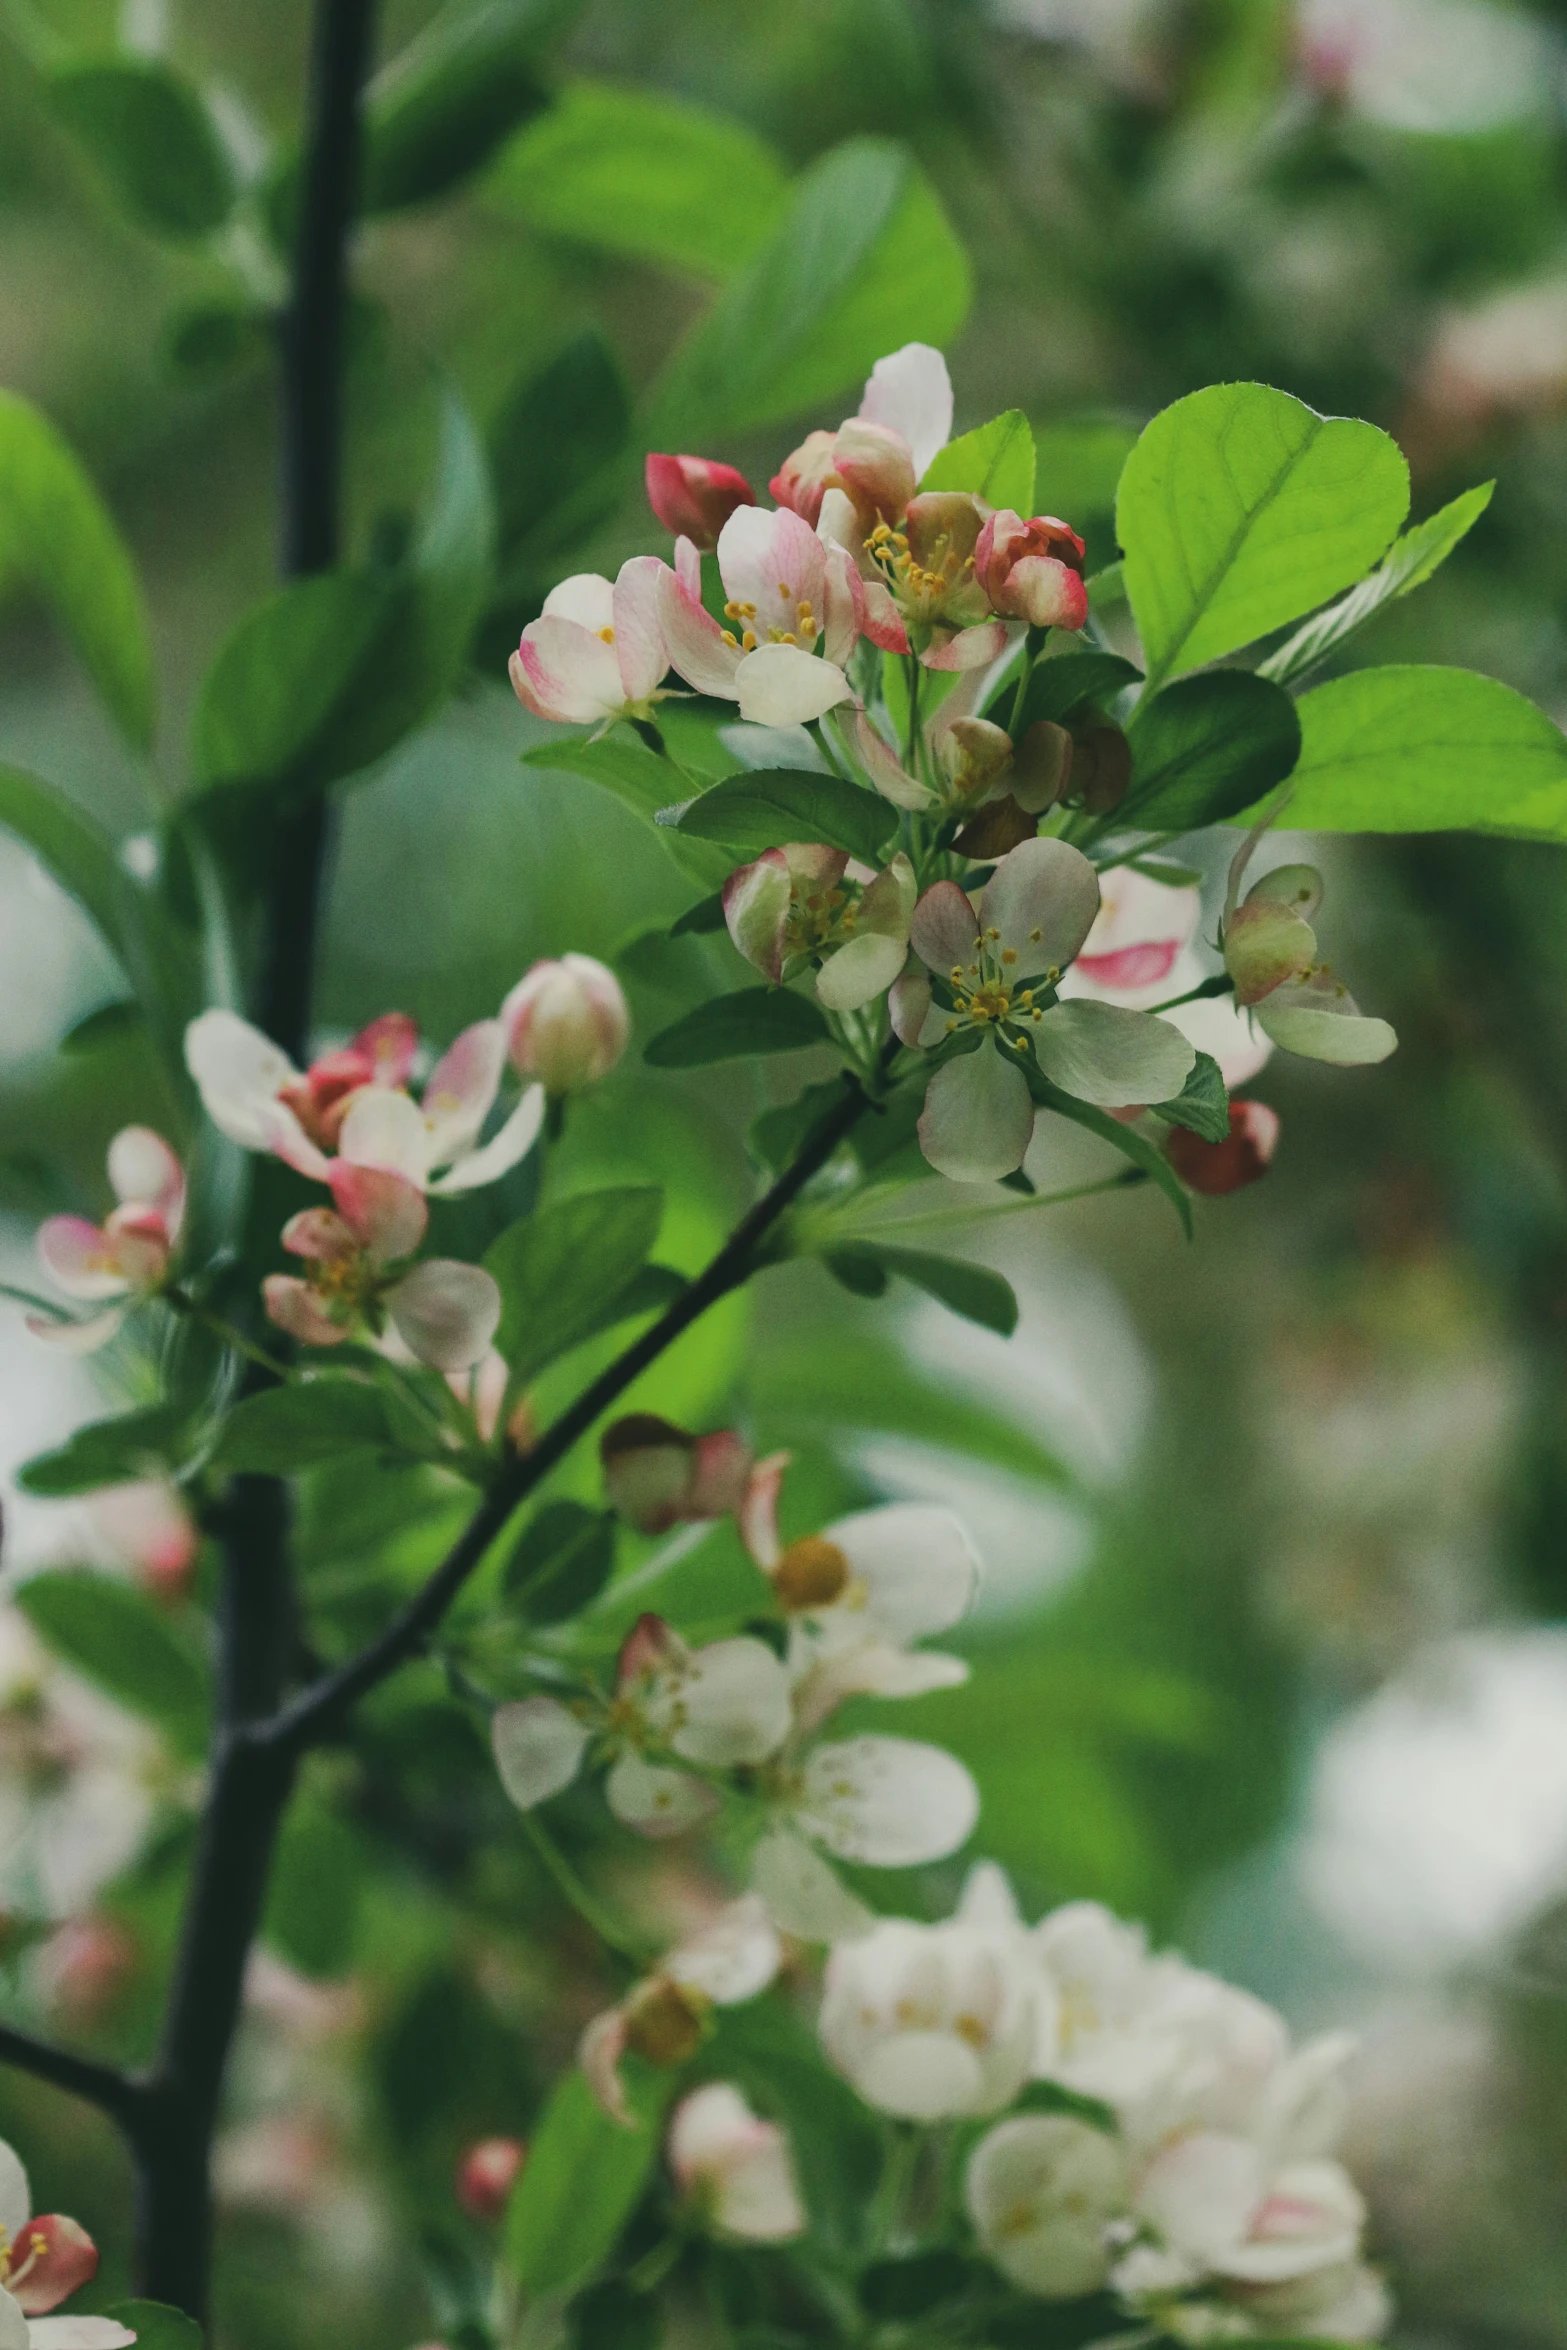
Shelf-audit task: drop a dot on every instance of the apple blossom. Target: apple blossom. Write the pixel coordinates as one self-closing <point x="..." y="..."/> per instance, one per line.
<point x="357" y="1105"/>
<point x="931" y="2022"/>
<point x="694" y="497"/>
<point x="908" y="397"/>
<point x="662" y="2018"/>
<point x="734" y="2167"/>
<point x="1044" y="2193"/>
<point x="1140" y="953"/>
<point x="798" y="905"/>
<point x="566" y="1023"/>
<point x="1032" y="571"/>
<point x="1270" y="952"/>
<point x="444" y="1312"/>
<point x="794" y="604"/>
<point x="42" y="2260"/>
<point x="891" y="1803"/>
<point x="597" y="651"/>
<point x="125" y="1259"/>
<point x="486" y="2173"/>
<point x="656" y="1476"/>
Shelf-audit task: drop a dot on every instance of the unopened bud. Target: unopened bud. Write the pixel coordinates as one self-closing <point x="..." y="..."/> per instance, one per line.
<point x="803" y="479"/>
<point x="1032" y="570"/>
<point x="1243" y="1157"/>
<point x="694" y="497"/>
<point x="658" y="1476"/>
<point x="486" y="2175"/>
<point x="1299" y="887"/>
<point x="1042" y="769"/>
<point x="566" y="1023"/>
<point x="664" y="2021"/>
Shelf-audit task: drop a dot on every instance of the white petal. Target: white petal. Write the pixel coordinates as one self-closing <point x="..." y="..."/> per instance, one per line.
<point x="1311" y="2217"/>
<point x="505" y="1148"/>
<point x="1201" y="2192"/>
<point x="16" y="2196"/>
<point x="988" y="1899"/>
<point x="911" y="391"/>
<point x="74" y="2333"/>
<point x="565" y="672"/>
<point x="460" y="1089"/>
<point x="226" y="1055"/>
<point x="1042" y="2190"/>
<point x="1347" y="1039"/>
<point x="640" y="646"/>
<point x="1217" y="1025"/>
<point x="14" y="2334"/>
<point x="76" y="1338"/>
<point x="978" y="1118"/>
<point x="803" y="1895"/>
<point x="585" y="597"/>
<point x="1044" y="899"/>
<point x="386" y="1129"/>
<point x="446" y="1312"/>
<point x="727" y="1704"/>
<point x="732" y="1959"/>
<point x="716" y="2142"/>
<point x="859" y="972"/>
<point x="143" y="1170"/>
<point x="920" y="2076"/>
<point x="1118" y="1059"/>
<point x="917" y="1565"/>
<point x="784" y="685"/>
<point x="655" y="1801"/>
<point x="892" y="1802"/>
<point x="538" y="1745"/>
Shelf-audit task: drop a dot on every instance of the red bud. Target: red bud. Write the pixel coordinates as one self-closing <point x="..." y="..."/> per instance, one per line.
<point x="1214" y="1168"/>
<point x="486" y="2175"/>
<point x="694" y="496"/>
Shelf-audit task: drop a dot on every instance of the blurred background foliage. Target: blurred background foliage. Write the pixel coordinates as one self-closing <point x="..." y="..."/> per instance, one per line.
<point x="1273" y="1649"/>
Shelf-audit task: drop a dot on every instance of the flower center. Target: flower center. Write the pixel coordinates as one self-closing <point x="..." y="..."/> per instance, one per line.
<point x="919" y="587"/>
<point x="985" y="995"/>
<point x="813" y="1572"/>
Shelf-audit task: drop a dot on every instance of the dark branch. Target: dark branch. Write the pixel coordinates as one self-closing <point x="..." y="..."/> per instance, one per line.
<point x="316" y="1711"/>
<point x="103" y="2085"/>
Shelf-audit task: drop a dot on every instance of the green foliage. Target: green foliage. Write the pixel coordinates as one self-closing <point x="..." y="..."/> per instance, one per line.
<point x="1057" y="687"/>
<point x="155" y="2325"/>
<point x="154" y="141"/>
<point x="638" y="172"/>
<point x="448" y="100"/>
<point x="143" y="1443"/>
<point x="584" y="2177"/>
<point x="1410" y="749"/>
<point x="567" y="1272"/>
<point x="1239" y="509"/>
<point x="57" y="541"/>
<point x="119" y="1637"/>
<point x="285" y="1429"/>
<point x="1202" y="1104"/>
<point x="1207" y="747"/>
<point x="641" y="781"/>
<point x="773" y="805"/>
<point x="973" y="1291"/>
<point x="1408" y="564"/>
<point x="563" y="1558"/>
<point x="995" y="461"/>
<point x="863" y="260"/>
<point x="1145" y="1157"/>
<point x="70" y="846"/>
<point x="552" y="440"/>
<point x="732" y="1027"/>
<point x="316" y="1892"/>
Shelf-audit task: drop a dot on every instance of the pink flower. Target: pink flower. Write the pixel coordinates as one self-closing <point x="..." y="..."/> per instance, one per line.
<point x="566" y="1023"/>
<point x="127" y="1257"/>
<point x="656" y="1476"/>
<point x="356" y="1102"/>
<point x="596" y="653"/>
<point x="794" y="606"/>
<point x="694" y="497"/>
<point x="1032" y="571"/>
<point x="736" y="2168"/>
<point x="445" y="1313"/>
<point x="1140" y="952"/>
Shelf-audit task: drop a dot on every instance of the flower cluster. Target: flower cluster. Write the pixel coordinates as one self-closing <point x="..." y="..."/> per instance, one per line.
<point x="43" y="2260"/>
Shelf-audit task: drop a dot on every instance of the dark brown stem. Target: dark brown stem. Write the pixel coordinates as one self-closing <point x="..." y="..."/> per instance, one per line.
<point x="103" y="2085"/>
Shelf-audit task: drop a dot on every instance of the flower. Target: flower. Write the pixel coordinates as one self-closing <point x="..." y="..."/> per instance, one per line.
<point x="663" y="2017"/>
<point x="596" y="652"/>
<point x="908" y="397"/>
<point x="736" y="2168"/>
<point x="1140" y="952"/>
<point x="1245" y="1155"/>
<point x="444" y="1312"/>
<point x="694" y="497"/>
<point x="126" y="1258"/>
<point x="1043" y="2192"/>
<point x="797" y="905"/>
<point x="42" y="2260"/>
<point x="795" y="608"/>
<point x="486" y="2174"/>
<point x="1270" y="952"/>
<point x="566" y="1023"/>
<point x="1032" y="571"/>
<point x="1033" y="915"/>
<point x="77" y="1781"/>
<point x="890" y="1803"/>
<point x="146" y="1524"/>
<point x="657" y="1476"/>
<point x="931" y="2022"/>
<point x="356" y="1103"/>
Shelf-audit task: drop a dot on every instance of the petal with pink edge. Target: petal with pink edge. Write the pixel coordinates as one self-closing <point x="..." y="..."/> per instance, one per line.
<point x="391" y="1045"/>
<point x="60" y="2257"/>
<point x="688" y="570"/>
<point x="772" y="562"/>
<point x="756" y="909"/>
<point x="321" y="1235"/>
<point x="565" y="672"/>
<point x="277" y="1130"/>
<point x="461" y="1088"/>
<point x="385" y="1212"/>
<point x="944" y="929"/>
<point x="1043" y="898"/>
<point x="886" y="771"/>
<point x="971" y="648"/>
<point x="911" y="391"/>
<point x="978" y="1118"/>
<point x="883" y="623"/>
<point x="639" y="628"/>
<point x="386" y="1129"/>
<point x="784" y="685"/>
<point x="844" y="615"/>
<point x="295" y="1307"/>
<point x="698" y="649"/>
<point x="143" y="1169"/>
<point x="446" y="1313"/>
<point x="76" y="1338"/>
<point x="80" y="1258"/>
<point x="509" y="1145"/>
<point x="757" y="1516"/>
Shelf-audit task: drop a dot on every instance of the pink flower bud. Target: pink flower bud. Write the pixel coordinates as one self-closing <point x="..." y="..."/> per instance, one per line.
<point x="486" y="2175"/>
<point x="1214" y="1168"/>
<point x="805" y="476"/>
<point x="657" y="1476"/>
<point x="875" y="466"/>
<point x="694" y="497"/>
<point x="1032" y="571"/>
<point x="566" y="1023"/>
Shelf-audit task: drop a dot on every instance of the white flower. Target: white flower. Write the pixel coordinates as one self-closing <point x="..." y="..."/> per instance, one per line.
<point x="794" y="603"/>
<point x="597" y="651"/>
<point x="662" y="2016"/>
<point x="76" y="1781"/>
<point x="736" y="2167"/>
<point x="566" y="1023"/>
<point x="127" y="1256"/>
<point x="892" y="1803"/>
<point x="42" y="2260"/>
<point x="1043" y="2191"/>
<point x="931" y="2021"/>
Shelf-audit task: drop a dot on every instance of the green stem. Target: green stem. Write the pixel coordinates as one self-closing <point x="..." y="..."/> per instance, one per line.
<point x="819" y="732"/>
<point x="611" y="1930"/>
<point x="912" y="753"/>
<point x="892" y="2191"/>
<point x="1220" y="984"/>
<point x="181" y="1302"/>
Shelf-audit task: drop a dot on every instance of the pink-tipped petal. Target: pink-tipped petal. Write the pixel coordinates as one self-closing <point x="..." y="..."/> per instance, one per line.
<point x="911" y="391"/>
<point x="803" y="479"/>
<point x="944" y="930"/>
<point x="144" y="1170"/>
<point x="1048" y="593"/>
<point x="698" y="648"/>
<point x="321" y="1235"/>
<point x="784" y="685"/>
<point x="566" y="672"/>
<point x="883" y="623"/>
<point x="844" y="592"/>
<point x="756" y="909"/>
<point x="295" y="1307"/>
<point x="639" y="629"/>
<point x="461" y="1087"/>
<point x="76" y="1338"/>
<point x="447" y="1313"/>
<point x="909" y="1004"/>
<point x="80" y="1258"/>
<point x="876" y="466"/>
<point x="391" y="1046"/>
<point x="506" y="1148"/>
<point x="970" y="648"/>
<point x="54" y="2257"/>
<point x="688" y="568"/>
<point x="694" y="497"/>
<point x="280" y="1132"/>
<point x="140" y="1241"/>
<point x="385" y="1129"/>
<point x="757" y="1516"/>
<point x="978" y="1117"/>
<point x="385" y="1212"/>
<point x="720" y="1475"/>
<point x="774" y="565"/>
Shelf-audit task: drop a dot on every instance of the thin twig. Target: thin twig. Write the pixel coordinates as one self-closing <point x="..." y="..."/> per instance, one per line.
<point x="103" y="2085"/>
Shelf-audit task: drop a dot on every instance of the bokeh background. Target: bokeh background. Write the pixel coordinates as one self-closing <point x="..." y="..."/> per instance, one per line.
<point x="1273" y="1648"/>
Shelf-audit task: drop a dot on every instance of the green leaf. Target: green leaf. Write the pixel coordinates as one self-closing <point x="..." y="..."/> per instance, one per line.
<point x="1126" y="1139"/>
<point x="554" y="438"/>
<point x="75" y="850"/>
<point x="449" y="99"/>
<point x="641" y="781"/>
<point x="153" y="139"/>
<point x="1408" y="749"/>
<point x="703" y="919"/>
<point x="564" y="1557"/>
<point x="207" y="341"/>
<point x="583" y="2179"/>
<point x="564" y="1271"/>
<point x="1239" y="509"/>
<point x="120" y="1638"/>
<point x="315" y="1891"/>
<point x="637" y="171"/>
<point x="155" y="2325"/>
<point x="864" y="260"/>
<point x="331" y="673"/>
<point x="57" y="539"/>
<point x="1409" y="564"/>
<point x="732" y="1027"/>
<point x="970" y="1290"/>
<point x="1207" y="747"/>
<point x="1055" y="688"/>
<point x="763" y="810"/>
<point x="995" y="461"/>
<point x="1202" y="1103"/>
<point x="109" y="1029"/>
<point x="1078" y="466"/>
<point x="285" y="1429"/>
<point x="145" y="1443"/>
